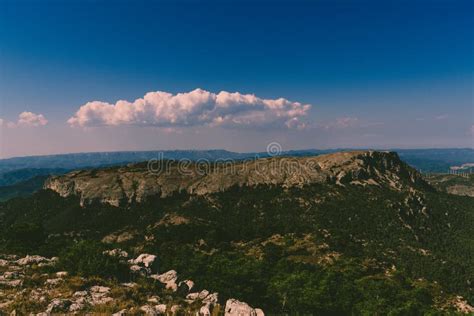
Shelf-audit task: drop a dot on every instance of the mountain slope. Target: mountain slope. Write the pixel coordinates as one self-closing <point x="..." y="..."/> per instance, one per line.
<point x="344" y="234"/>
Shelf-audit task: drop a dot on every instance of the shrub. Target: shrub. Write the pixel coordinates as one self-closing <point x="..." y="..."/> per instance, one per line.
<point x="87" y="259"/>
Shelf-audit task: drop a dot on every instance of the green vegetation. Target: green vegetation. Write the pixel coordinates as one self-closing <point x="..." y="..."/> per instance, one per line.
<point x="23" y="188"/>
<point x="321" y="249"/>
<point x="86" y="258"/>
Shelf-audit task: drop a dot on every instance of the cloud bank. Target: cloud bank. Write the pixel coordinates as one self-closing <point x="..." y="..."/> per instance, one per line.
<point x="196" y="108"/>
<point x="26" y="119"/>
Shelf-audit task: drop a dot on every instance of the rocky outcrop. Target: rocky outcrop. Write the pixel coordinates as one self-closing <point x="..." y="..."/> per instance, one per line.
<point x="50" y="291"/>
<point x="135" y="183"/>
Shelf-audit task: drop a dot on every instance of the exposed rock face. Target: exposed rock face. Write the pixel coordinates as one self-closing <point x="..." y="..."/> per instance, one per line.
<point x="135" y="183"/>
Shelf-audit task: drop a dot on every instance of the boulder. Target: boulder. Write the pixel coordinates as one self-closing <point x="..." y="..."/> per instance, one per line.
<point x="169" y="278"/>
<point x="234" y="307"/>
<point x="146" y="260"/>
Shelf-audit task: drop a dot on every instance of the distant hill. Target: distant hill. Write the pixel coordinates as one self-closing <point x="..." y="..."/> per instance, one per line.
<point x="430" y="158"/>
<point x="20" y="175"/>
<point x="23" y="188"/>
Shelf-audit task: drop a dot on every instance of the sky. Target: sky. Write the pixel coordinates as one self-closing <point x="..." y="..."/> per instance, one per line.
<point x="81" y="76"/>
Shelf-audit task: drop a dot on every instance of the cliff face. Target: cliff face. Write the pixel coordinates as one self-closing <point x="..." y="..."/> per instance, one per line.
<point x="134" y="183"/>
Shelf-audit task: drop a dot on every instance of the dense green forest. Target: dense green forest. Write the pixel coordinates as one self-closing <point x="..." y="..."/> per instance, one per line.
<point x="321" y="249"/>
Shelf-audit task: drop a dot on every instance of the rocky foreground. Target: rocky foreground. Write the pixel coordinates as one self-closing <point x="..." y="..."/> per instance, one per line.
<point x="32" y="285"/>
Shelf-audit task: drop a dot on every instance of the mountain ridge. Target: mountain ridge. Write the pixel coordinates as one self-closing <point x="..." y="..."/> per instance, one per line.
<point x="136" y="182"/>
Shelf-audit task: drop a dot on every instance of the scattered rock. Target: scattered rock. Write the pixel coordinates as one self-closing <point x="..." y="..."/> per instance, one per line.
<point x="154" y="310"/>
<point x="119" y="253"/>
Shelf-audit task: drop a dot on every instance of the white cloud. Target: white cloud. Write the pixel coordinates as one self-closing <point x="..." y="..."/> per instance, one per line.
<point x="195" y="108"/>
<point x="31" y="119"/>
<point x="472" y="130"/>
<point x="26" y="119"/>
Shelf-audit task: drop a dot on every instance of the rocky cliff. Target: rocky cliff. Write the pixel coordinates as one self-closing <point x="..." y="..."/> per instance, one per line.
<point x="134" y="183"/>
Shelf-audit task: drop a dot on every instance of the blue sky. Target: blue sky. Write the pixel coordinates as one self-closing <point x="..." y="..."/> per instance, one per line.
<point x="380" y="75"/>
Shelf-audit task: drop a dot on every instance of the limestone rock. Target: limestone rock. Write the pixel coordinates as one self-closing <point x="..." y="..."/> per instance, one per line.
<point x="234" y="307"/>
<point x="169" y="278"/>
<point x="147" y="261"/>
